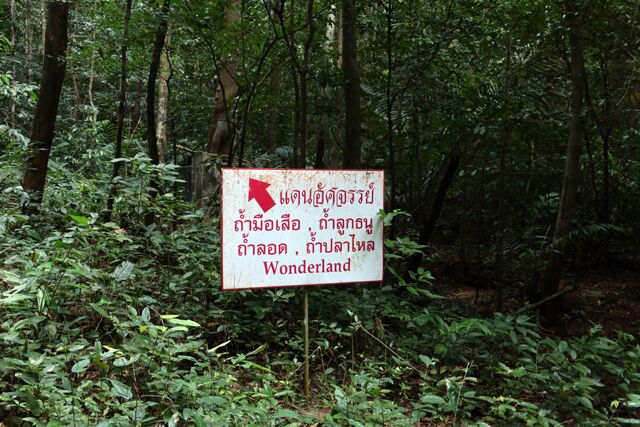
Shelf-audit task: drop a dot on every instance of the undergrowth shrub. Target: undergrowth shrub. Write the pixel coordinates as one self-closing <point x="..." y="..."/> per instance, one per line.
<point x="119" y="323"/>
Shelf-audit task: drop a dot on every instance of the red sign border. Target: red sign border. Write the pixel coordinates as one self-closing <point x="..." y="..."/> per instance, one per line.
<point x="222" y="288"/>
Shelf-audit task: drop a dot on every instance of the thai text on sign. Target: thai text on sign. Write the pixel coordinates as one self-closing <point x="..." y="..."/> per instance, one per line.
<point x="295" y="227"/>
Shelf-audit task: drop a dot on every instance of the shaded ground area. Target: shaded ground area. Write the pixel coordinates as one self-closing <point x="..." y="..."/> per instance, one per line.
<point x="609" y="297"/>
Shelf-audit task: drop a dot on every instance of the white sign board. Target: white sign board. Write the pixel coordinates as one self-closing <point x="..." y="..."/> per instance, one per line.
<point x="296" y="227"/>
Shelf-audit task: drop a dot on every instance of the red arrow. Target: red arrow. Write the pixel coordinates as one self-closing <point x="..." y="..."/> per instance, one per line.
<point x="258" y="191"/>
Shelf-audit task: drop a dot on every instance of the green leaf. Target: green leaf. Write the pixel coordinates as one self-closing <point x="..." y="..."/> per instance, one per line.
<point x="634" y="400"/>
<point x="287" y="413"/>
<point x="123" y="272"/>
<point x="121" y="390"/>
<point x="634" y="421"/>
<point x="80" y="366"/>
<point x="212" y="350"/>
<point x="100" y="310"/>
<point x="432" y="399"/>
<point x="82" y="220"/>
<point x="213" y="400"/>
<point x="183" y="322"/>
<point x="427" y="360"/>
<point x="585" y="401"/>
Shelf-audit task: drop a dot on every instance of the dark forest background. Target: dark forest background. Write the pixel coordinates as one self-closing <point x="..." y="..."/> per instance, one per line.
<point x="509" y="136"/>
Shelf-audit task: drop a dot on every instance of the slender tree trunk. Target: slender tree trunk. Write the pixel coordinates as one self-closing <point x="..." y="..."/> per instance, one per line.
<point x="299" y="74"/>
<point x="77" y="99"/>
<point x="389" y="102"/>
<point x="152" y="139"/>
<point x="92" y="62"/>
<point x="163" y="103"/>
<point x="322" y="142"/>
<point x="351" y="76"/>
<point x="504" y="140"/>
<point x="121" y="107"/>
<point x="29" y="46"/>
<point x="272" y="121"/>
<point x="340" y="39"/>
<point x="296" y="117"/>
<point x="324" y="97"/>
<point x="438" y="201"/>
<point x="551" y="281"/>
<point x="592" y="169"/>
<point x="304" y="96"/>
<point x="137" y="108"/>
<point x="14" y="40"/>
<point x="226" y="89"/>
<point x="426" y="232"/>
<point x="46" y="113"/>
<point x="43" y="27"/>
<point x="161" y="32"/>
<point x="606" y="129"/>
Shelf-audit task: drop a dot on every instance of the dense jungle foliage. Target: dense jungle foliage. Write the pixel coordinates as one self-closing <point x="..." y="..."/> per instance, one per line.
<point x="508" y="132"/>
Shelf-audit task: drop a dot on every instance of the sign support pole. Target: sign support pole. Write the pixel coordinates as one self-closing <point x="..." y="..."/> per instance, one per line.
<point x="307" y="387"/>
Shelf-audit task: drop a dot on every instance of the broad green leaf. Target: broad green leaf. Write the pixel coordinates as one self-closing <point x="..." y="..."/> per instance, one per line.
<point x="432" y="399"/>
<point x="80" y="366"/>
<point x="123" y="272"/>
<point x="184" y="322"/>
<point x="82" y="220"/>
<point x="169" y="316"/>
<point x="121" y="390"/>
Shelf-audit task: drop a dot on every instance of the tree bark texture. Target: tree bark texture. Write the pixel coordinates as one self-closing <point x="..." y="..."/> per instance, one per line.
<point x="438" y="200"/>
<point x="220" y="141"/>
<point x="551" y="280"/>
<point x="351" y="76"/>
<point x="504" y="140"/>
<point x="161" y="32"/>
<point x="92" y="74"/>
<point x="14" y="38"/>
<point x="122" y="102"/>
<point x="46" y="112"/>
<point x="163" y="103"/>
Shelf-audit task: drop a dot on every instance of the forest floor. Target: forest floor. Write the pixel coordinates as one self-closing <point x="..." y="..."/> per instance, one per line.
<point x="603" y="296"/>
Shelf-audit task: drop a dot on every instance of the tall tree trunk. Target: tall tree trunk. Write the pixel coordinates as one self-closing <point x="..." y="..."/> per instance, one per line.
<point x="436" y="207"/>
<point x="14" y="40"/>
<point x="152" y="139"/>
<point x="351" y="77"/>
<point x="551" y="281"/>
<point x="161" y="32"/>
<point x="43" y="27"/>
<point x="295" y="115"/>
<point x="121" y="107"/>
<point x="163" y="102"/>
<point x="46" y="113"/>
<point x="77" y="99"/>
<point x="325" y="92"/>
<point x="391" y="165"/>
<point x="318" y="163"/>
<point x="272" y="121"/>
<point x="29" y="46"/>
<point x="304" y="96"/>
<point x="137" y="108"/>
<point x="504" y="139"/>
<point x="226" y="89"/>
<point x="92" y="63"/>
<point x="438" y="201"/>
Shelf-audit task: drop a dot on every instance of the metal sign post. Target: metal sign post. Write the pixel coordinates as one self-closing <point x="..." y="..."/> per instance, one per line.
<point x="307" y="380"/>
